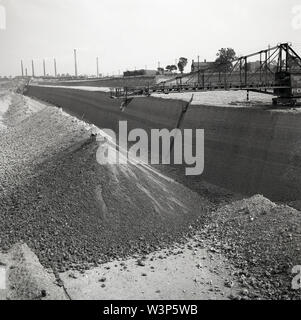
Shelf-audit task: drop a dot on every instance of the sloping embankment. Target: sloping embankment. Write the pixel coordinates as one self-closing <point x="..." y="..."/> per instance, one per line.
<point x="247" y="150"/>
<point x="109" y="82"/>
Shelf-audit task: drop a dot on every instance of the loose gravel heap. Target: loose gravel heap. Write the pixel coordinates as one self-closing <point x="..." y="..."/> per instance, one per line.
<point x="263" y="240"/>
<point x="71" y="211"/>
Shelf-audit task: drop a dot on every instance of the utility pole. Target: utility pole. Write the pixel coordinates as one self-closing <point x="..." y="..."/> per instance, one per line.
<point x="26" y="74"/>
<point x="198" y="69"/>
<point x="55" y="71"/>
<point x="32" y="68"/>
<point x="75" y="63"/>
<point x="246" y="70"/>
<point x="44" y="67"/>
<point x="97" y="67"/>
<point x="269" y="63"/>
<point x="22" y="69"/>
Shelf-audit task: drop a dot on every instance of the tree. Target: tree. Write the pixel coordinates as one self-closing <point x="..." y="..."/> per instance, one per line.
<point x="224" y="60"/>
<point x="182" y="64"/>
<point x="171" y="68"/>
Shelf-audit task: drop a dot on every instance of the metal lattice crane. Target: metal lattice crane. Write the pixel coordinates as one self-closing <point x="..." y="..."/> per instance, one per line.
<point x="278" y="74"/>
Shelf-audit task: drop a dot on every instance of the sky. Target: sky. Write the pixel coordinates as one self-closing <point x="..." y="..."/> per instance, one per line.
<point x="129" y="34"/>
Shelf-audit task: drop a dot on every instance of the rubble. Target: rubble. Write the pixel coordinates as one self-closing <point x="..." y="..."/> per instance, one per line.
<point x="264" y="249"/>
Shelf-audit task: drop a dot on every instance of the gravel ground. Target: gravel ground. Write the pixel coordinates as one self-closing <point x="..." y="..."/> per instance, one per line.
<point x="181" y="272"/>
<point x="263" y="240"/>
<point x="26" y="279"/>
<point x="221" y="98"/>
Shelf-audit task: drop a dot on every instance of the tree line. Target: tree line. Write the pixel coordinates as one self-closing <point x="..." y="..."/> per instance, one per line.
<point x="223" y="62"/>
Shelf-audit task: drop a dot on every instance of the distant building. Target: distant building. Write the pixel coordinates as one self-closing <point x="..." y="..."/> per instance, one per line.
<point x="160" y="71"/>
<point x="202" y="66"/>
<point x="254" y="66"/>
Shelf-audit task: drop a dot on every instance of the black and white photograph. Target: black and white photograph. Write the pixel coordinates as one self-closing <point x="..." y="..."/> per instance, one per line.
<point x="150" y="151"/>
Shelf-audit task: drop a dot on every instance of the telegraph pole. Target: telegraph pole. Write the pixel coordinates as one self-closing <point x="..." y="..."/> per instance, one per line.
<point x="75" y="62"/>
<point x="22" y="69"/>
<point x="44" y="67"/>
<point x="55" y="71"/>
<point x="269" y="63"/>
<point x="32" y="68"/>
<point x="198" y="69"/>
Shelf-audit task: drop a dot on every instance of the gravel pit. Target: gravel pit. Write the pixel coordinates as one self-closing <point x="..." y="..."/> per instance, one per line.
<point x="75" y="214"/>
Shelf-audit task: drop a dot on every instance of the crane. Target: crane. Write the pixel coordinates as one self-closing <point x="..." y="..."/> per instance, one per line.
<point x="278" y="74"/>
